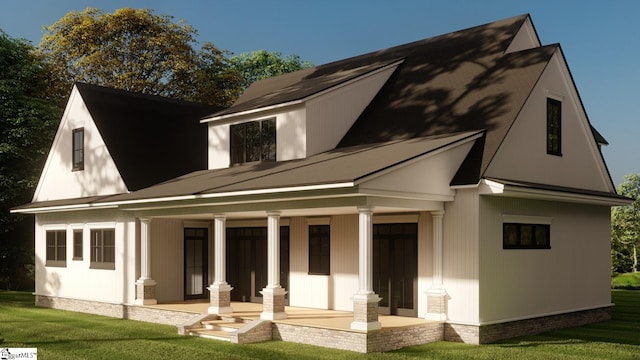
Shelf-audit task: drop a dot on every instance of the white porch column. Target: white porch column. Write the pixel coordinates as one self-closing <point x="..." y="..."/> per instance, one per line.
<point x="365" y="301"/>
<point x="145" y="286"/>
<point x="220" y="291"/>
<point x="273" y="295"/>
<point x="436" y="295"/>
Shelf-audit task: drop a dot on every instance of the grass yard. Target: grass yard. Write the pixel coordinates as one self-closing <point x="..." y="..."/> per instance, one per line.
<point x="626" y="281"/>
<point x="68" y="335"/>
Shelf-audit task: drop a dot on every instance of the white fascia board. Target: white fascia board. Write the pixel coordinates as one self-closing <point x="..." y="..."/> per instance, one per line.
<point x="303" y="100"/>
<point x="176" y="199"/>
<point x="234" y="193"/>
<point x="59" y="208"/>
<point x="489" y="187"/>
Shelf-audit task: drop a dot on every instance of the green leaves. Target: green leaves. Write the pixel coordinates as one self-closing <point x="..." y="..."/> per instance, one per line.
<point x="262" y="64"/>
<point x="625" y="228"/>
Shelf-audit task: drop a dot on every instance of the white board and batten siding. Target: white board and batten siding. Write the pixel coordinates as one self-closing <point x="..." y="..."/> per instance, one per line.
<point x="573" y="275"/>
<point x="77" y="280"/>
<point x="461" y="264"/>
<point x="100" y="175"/>
<point x="580" y="166"/>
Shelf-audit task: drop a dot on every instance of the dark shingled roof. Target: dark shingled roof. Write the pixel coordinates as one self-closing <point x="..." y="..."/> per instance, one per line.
<point x="457" y="82"/>
<point x="333" y="167"/>
<point x="150" y="138"/>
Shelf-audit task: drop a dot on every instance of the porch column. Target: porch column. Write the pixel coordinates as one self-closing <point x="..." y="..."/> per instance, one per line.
<point x="220" y="291"/>
<point x="145" y="285"/>
<point x="365" y="301"/>
<point x="436" y="295"/>
<point x="273" y="294"/>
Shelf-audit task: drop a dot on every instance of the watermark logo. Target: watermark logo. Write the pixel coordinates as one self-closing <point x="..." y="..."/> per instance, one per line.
<point x="18" y="353"/>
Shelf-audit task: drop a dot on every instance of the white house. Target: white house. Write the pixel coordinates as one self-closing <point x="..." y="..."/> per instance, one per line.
<point x="455" y="179"/>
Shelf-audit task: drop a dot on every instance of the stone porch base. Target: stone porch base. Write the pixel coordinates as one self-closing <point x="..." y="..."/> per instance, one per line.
<point x="385" y="339"/>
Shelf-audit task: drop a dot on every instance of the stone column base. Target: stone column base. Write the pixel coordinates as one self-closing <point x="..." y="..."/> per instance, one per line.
<point x="220" y="299"/>
<point x="436" y="305"/>
<point x="365" y="312"/>
<point x="145" y="292"/>
<point x="273" y="304"/>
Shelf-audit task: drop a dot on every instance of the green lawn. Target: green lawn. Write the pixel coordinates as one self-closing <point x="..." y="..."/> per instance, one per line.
<point x="68" y="335"/>
<point x="626" y="281"/>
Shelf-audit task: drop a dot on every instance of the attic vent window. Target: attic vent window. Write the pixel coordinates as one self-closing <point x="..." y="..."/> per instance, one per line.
<point x="78" y="149"/>
<point x="554" y="127"/>
<point x="253" y="141"/>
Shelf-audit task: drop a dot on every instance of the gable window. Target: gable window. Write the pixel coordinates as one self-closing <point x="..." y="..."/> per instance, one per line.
<point x="77" y="244"/>
<point x="103" y="249"/>
<point x="526" y="236"/>
<point x="253" y="141"/>
<point x="56" y="248"/>
<point x="554" y="127"/>
<point x="319" y="249"/>
<point x="78" y="149"/>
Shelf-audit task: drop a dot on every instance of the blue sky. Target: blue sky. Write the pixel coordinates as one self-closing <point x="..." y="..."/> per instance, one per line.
<point x="600" y="39"/>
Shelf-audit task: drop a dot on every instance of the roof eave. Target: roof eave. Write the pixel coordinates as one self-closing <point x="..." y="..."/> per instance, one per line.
<point x="497" y="188"/>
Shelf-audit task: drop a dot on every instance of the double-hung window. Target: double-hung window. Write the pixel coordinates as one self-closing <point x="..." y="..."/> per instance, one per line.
<point x="253" y="141"/>
<point x="103" y="249"/>
<point x="56" y="248"/>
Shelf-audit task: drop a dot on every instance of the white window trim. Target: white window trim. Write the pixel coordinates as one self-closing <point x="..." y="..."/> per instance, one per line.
<point x="526" y="219"/>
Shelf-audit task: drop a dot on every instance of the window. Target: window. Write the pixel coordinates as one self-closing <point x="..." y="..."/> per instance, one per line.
<point x="103" y="249"/>
<point x="78" y="149"/>
<point x="526" y="236"/>
<point x="253" y="141"/>
<point x="319" y="249"/>
<point x="56" y="248"/>
<point x="77" y="244"/>
<point x="554" y="127"/>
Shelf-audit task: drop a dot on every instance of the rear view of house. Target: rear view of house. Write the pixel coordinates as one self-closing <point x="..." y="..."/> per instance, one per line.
<point x="455" y="179"/>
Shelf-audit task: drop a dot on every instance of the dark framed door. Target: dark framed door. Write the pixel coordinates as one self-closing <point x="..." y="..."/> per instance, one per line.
<point x="247" y="261"/>
<point x="395" y="268"/>
<point x="195" y="263"/>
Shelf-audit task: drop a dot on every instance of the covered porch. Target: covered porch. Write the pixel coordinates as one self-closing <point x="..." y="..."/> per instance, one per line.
<point x="327" y="328"/>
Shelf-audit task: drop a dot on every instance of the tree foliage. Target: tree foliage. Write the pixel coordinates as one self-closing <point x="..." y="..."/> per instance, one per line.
<point x="625" y="228"/>
<point x="28" y="119"/>
<point x="136" y="50"/>
<point x="262" y="64"/>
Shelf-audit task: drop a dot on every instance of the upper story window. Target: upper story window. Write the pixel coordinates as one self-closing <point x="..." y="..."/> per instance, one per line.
<point x="253" y="141"/>
<point x="554" y="127"/>
<point x="78" y="149"/>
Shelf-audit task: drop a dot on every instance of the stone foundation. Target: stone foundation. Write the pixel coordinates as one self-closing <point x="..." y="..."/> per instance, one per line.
<point x="119" y="311"/>
<point x="385" y="339"/>
<point x="359" y="341"/>
<point x="486" y="334"/>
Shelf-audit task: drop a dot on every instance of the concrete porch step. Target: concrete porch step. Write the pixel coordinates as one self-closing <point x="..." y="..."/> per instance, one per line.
<point x="221" y="335"/>
<point x="225" y="324"/>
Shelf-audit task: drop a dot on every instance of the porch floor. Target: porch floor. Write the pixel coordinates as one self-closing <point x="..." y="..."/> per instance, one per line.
<point x="326" y="319"/>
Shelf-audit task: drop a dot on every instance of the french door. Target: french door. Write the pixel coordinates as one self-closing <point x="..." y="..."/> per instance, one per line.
<point x="247" y="261"/>
<point x="195" y="263"/>
<point x="395" y="268"/>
